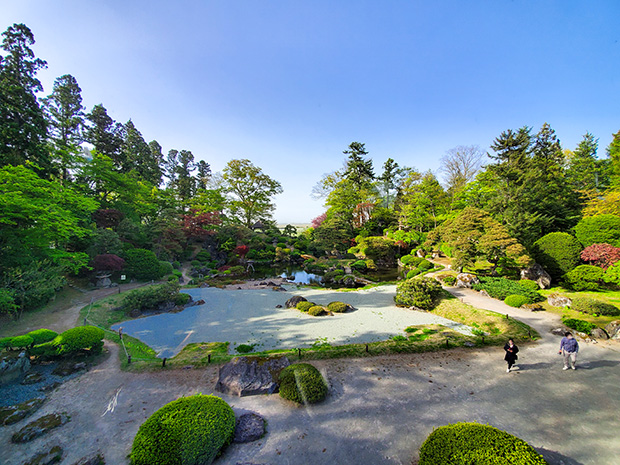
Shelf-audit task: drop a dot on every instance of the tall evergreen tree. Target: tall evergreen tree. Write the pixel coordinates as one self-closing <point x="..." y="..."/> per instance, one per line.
<point x="105" y="134"/>
<point x="388" y="178"/>
<point x="359" y="170"/>
<point x="584" y="169"/>
<point x="137" y="155"/>
<point x="203" y="175"/>
<point x="613" y="152"/>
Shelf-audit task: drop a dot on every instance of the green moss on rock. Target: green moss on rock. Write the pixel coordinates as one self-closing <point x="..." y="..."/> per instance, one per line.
<point x="302" y="383"/>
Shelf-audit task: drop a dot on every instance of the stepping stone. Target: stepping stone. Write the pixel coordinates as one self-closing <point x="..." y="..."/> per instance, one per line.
<point x="249" y="427"/>
<point x="15" y="413"/>
<point x="39" y="427"/>
<point x="54" y="455"/>
<point x="95" y="459"/>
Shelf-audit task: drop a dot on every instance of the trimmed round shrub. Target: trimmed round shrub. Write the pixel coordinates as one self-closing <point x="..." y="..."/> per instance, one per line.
<point x="599" y="229"/>
<point x="473" y="443"/>
<point x="418" y="292"/>
<point x="579" y="325"/>
<point x="359" y="265"/>
<point x="612" y="275"/>
<point x="39" y="336"/>
<point x="529" y="284"/>
<point x="20" y="342"/>
<point x="594" y="307"/>
<point x="244" y="348"/>
<point x="142" y="264"/>
<point x="558" y="253"/>
<point x="413" y="273"/>
<point x="75" y="339"/>
<point x="302" y="383"/>
<point x="182" y="299"/>
<point x="410" y="260"/>
<point x="425" y="265"/>
<point x="317" y="310"/>
<point x="189" y="431"/>
<point x="47" y="349"/>
<point x="515" y="300"/>
<point x="584" y="278"/>
<point x="337" y="307"/>
<point x="165" y="268"/>
<point x="150" y="297"/>
<point x="305" y="306"/>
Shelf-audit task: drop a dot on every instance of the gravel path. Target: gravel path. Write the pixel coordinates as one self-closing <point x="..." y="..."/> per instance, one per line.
<point x="379" y="410"/>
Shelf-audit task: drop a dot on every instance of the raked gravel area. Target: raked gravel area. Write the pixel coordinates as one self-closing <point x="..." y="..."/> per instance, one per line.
<point x="251" y="317"/>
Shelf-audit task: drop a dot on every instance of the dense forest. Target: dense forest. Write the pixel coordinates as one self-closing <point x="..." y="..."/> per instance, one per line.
<point x="82" y="195"/>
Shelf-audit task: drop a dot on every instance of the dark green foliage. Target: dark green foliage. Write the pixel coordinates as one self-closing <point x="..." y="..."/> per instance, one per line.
<point x="150" y="297"/>
<point x="189" y="431"/>
<point x="244" y="348"/>
<point x="418" y="292"/>
<point x="399" y="338"/>
<point x="472" y="443"/>
<point x="305" y="306"/>
<point x="600" y="229"/>
<point x="410" y="260"/>
<point x="515" y="300"/>
<point x="584" y="278"/>
<point x="579" y="325"/>
<point x="500" y="288"/>
<point x="165" y="268"/>
<point x="317" y="310"/>
<point x="558" y="253"/>
<point x="449" y="280"/>
<point x="5" y="342"/>
<point x="39" y="336"/>
<point x="359" y="265"/>
<point x="181" y="299"/>
<point x="142" y="264"/>
<point x="76" y="339"/>
<point x="176" y="265"/>
<point x="594" y="307"/>
<point x="203" y="256"/>
<point x="529" y="284"/>
<point x="302" y="383"/>
<point x="337" y="307"/>
<point x="236" y="270"/>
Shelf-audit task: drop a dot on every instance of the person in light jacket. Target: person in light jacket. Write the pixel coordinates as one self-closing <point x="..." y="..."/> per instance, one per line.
<point x="569" y="348"/>
<point x="511" y="354"/>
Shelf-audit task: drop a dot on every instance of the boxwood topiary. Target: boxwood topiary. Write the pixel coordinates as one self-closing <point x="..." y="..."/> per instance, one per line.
<point x="584" y="278"/>
<point x="20" y="342"/>
<point x="76" y="339"/>
<point x="317" y="310"/>
<point x="302" y="383"/>
<point x="469" y="443"/>
<point x="594" y="307"/>
<point x="515" y="300"/>
<point x="337" y="307"/>
<point x="39" y="336"/>
<point x="189" y="431"/>
<point x="418" y="292"/>
<point x="305" y="306"/>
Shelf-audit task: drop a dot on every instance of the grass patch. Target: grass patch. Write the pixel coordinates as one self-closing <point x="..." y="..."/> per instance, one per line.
<point x="606" y="295"/>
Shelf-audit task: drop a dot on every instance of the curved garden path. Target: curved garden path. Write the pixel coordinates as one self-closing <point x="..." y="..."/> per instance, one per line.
<point x="379" y="410"/>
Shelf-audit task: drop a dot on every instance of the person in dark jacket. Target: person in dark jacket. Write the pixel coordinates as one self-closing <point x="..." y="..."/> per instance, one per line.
<point x="569" y="348"/>
<point x="511" y="354"/>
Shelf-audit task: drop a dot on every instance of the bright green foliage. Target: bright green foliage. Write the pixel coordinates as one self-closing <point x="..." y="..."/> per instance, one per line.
<point x="418" y="292"/>
<point x="302" y="383"/>
<point x="410" y="260"/>
<point x="359" y="265"/>
<point x="423" y="201"/>
<point x="516" y="300"/>
<point x="142" y="264"/>
<point x="317" y="310"/>
<point x="579" y="325"/>
<point x="529" y="284"/>
<point x="5" y="342"/>
<point x="413" y="273"/>
<point x="600" y="229"/>
<point x="76" y="339"/>
<point x="305" y="306"/>
<point x="594" y="307"/>
<point x="558" y="253"/>
<point x="473" y="443"/>
<point x="188" y="431"/>
<point x="150" y="297"/>
<point x="20" y="342"/>
<point x="244" y="348"/>
<point x="39" y="336"/>
<point x="425" y="265"/>
<point x="584" y="278"/>
<point x="500" y="288"/>
<point x="337" y="307"/>
<point x="47" y="349"/>
<point x="612" y="274"/>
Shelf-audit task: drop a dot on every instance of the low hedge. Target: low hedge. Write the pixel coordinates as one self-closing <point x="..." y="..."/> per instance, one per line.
<point x="579" y="325"/>
<point x="500" y="288"/>
<point x="189" y="431"/>
<point x="150" y="297"/>
<point x="76" y="339"/>
<point x="337" y="307"/>
<point x="17" y="342"/>
<point x="39" y="336"/>
<point x="473" y="443"/>
<point x="305" y="306"/>
<point x="529" y="284"/>
<point x="594" y="307"/>
<point x="317" y="310"/>
<point x="517" y="301"/>
<point x="302" y="383"/>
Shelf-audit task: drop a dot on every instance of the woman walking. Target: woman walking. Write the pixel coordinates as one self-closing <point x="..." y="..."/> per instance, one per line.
<point x="511" y="354"/>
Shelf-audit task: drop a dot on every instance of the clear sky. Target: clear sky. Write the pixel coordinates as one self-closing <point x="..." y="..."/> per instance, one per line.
<point x="289" y="84"/>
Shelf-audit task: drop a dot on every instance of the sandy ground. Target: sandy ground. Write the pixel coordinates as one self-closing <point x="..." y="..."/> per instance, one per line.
<point x="251" y="317"/>
<point x="379" y="410"/>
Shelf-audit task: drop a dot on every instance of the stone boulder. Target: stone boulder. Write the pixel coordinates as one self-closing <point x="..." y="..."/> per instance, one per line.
<point x="613" y="328"/>
<point x="537" y="273"/>
<point x="250" y="376"/>
<point x="533" y="307"/>
<point x="68" y="368"/>
<point x="598" y="333"/>
<point x="32" y="378"/>
<point x="39" y="427"/>
<point x="95" y="459"/>
<point x="557" y="300"/>
<point x="293" y="301"/>
<point x="47" y="457"/>
<point x="558" y="331"/>
<point x="12" y="366"/>
<point x="14" y="413"/>
<point x="249" y="427"/>
<point x="466" y="280"/>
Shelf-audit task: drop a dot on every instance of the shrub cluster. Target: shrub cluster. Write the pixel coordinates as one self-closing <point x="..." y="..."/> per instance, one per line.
<point x="337" y="307"/>
<point x="558" y="253"/>
<point x="143" y="264"/>
<point x="529" y="284"/>
<point x="302" y="383"/>
<point x="584" y="278"/>
<point x="594" y="307"/>
<point x="516" y="300"/>
<point x="189" y="431"/>
<point x="599" y="229"/>
<point x="579" y="325"/>
<point x="150" y="297"/>
<point x="418" y="292"/>
<point x="500" y="288"/>
<point x="316" y="310"/>
<point x="305" y="306"/>
<point x="469" y="443"/>
<point x="33" y="338"/>
<point x="359" y="265"/>
<point x="76" y="339"/>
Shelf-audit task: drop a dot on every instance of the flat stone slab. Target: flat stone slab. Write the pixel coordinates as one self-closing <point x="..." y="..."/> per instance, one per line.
<point x="54" y="455"/>
<point x="14" y="413"/>
<point x="39" y="427"/>
<point x="249" y="427"/>
<point x="95" y="459"/>
<point x="251" y="376"/>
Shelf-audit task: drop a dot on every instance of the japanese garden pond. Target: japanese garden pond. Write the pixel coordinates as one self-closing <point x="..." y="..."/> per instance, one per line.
<point x="251" y="317"/>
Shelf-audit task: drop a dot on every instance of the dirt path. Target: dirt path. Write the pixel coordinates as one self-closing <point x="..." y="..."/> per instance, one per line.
<point x="379" y="410"/>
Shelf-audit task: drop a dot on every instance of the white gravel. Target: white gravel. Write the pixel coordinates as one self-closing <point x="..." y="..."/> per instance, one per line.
<point x="250" y="317"/>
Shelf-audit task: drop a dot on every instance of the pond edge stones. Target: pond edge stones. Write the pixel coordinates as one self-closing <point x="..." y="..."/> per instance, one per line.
<point x="250" y="376"/>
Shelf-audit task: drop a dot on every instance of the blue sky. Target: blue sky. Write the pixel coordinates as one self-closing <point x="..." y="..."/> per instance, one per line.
<point x="289" y="84"/>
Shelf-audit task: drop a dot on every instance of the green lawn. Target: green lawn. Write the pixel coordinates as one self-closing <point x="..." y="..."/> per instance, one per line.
<point x="609" y="296"/>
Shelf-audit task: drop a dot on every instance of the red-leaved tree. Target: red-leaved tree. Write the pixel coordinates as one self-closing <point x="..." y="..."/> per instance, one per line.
<point x="242" y="250"/>
<point x="318" y="221"/>
<point x="603" y="255"/>
<point x="108" y="262"/>
<point x="197" y="225"/>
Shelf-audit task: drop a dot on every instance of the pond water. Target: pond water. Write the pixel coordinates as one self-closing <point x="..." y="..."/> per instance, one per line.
<point x="251" y="317"/>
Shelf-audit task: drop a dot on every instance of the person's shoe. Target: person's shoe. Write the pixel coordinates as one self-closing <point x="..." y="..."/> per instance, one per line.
<point x="565" y="368"/>
<point x="508" y="370"/>
<point x="574" y="368"/>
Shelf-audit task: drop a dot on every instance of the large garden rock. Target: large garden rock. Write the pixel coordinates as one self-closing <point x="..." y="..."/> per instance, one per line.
<point x="537" y="273"/>
<point x="598" y="333"/>
<point x="12" y="366"/>
<point x="39" y="427"/>
<point x="467" y="280"/>
<point x="293" y="301"/>
<point x="48" y="457"/>
<point x="557" y="300"/>
<point x="249" y="376"/>
<point x="613" y="328"/>
<point x="14" y="413"/>
<point x="249" y="427"/>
